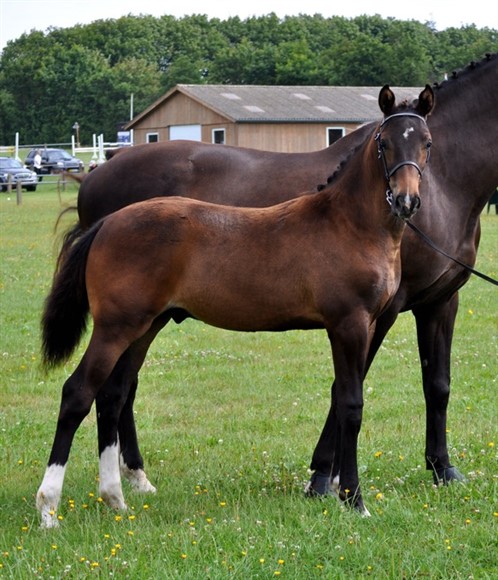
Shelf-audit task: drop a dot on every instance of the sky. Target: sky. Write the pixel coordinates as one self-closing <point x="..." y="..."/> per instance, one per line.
<point x="19" y="16"/>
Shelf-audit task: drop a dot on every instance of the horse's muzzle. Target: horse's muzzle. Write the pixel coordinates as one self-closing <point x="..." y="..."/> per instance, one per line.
<point x="406" y="205"/>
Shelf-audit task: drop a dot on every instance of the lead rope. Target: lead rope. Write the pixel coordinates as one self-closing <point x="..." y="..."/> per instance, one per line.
<point x="428" y="241"/>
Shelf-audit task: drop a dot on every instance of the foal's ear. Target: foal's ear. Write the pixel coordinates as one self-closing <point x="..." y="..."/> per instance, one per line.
<point x="426" y="101"/>
<point x="386" y="100"/>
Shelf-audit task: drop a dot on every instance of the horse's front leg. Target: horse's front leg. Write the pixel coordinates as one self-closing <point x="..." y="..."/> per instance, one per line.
<point x="349" y="349"/>
<point x="435" y="324"/>
<point x="325" y="459"/>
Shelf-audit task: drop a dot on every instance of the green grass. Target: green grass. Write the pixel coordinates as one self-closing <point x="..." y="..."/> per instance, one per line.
<point x="227" y="424"/>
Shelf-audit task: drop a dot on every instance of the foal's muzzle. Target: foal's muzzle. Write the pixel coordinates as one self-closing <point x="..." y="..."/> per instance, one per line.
<point x="405" y="205"/>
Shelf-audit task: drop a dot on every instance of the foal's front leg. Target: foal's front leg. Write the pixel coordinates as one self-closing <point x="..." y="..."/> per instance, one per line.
<point x="349" y="348"/>
<point x="325" y="461"/>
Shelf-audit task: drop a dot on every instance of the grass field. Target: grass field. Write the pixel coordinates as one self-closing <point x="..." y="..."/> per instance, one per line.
<point x="227" y="423"/>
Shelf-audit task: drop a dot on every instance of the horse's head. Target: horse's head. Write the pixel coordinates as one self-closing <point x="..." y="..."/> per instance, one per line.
<point x="403" y="143"/>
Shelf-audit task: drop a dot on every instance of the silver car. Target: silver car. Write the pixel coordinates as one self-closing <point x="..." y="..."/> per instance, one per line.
<point x="13" y="170"/>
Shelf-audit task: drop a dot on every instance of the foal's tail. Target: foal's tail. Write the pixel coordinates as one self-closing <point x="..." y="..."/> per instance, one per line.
<point x="66" y="308"/>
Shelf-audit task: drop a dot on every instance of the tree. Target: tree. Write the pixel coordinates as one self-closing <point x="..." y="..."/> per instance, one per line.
<point x="87" y="73"/>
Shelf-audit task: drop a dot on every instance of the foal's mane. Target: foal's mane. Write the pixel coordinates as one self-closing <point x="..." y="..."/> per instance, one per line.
<point x="341" y="166"/>
<point x="402" y="106"/>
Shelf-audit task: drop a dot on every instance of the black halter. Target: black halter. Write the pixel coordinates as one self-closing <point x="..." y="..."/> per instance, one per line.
<point x="380" y="149"/>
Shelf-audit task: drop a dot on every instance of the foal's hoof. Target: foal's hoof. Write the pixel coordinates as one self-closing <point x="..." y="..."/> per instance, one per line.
<point x="445" y="475"/>
<point x="318" y="485"/>
<point x="137" y="479"/>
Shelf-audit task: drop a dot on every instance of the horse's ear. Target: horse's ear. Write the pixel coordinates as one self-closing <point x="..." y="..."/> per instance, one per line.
<point x="426" y="101"/>
<point x="386" y="100"/>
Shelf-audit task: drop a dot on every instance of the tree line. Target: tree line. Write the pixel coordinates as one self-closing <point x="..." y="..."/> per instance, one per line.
<point x="87" y="73"/>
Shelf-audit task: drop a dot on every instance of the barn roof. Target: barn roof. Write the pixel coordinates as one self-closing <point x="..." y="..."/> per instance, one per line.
<point x="280" y="104"/>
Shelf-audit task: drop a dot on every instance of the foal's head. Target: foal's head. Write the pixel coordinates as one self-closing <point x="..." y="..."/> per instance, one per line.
<point x="403" y="143"/>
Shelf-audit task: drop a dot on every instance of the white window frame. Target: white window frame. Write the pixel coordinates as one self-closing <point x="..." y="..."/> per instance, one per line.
<point x="149" y="135"/>
<point x="220" y="130"/>
<point x="341" y="129"/>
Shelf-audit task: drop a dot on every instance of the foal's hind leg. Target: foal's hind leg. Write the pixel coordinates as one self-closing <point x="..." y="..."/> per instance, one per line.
<point x="111" y="401"/>
<point x="131" y="461"/>
<point x="78" y="394"/>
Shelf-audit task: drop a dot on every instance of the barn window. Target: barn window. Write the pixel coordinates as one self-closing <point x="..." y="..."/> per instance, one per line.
<point x="218" y="136"/>
<point x="334" y="134"/>
<point x="152" y="137"/>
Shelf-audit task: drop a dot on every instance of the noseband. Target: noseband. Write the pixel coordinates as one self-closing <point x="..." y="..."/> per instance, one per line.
<point x="380" y="149"/>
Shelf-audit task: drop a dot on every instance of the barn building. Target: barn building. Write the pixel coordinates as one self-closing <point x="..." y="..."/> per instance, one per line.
<point x="274" y="118"/>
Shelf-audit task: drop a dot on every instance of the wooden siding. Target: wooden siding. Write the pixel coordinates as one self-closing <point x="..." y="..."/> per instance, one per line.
<point x="180" y="109"/>
<point x="285" y="137"/>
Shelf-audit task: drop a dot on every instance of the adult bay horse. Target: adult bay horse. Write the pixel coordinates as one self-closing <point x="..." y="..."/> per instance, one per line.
<point x="463" y="174"/>
<point x="329" y="260"/>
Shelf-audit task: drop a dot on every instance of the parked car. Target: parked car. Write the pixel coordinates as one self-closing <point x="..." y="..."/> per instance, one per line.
<point x="55" y="161"/>
<point x="14" y="170"/>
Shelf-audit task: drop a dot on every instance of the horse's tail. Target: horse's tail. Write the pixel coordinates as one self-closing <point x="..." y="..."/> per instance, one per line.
<point x="66" y="308"/>
<point x="70" y="237"/>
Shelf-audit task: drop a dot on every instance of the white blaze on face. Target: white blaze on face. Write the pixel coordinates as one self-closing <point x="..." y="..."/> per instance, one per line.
<point x="407" y="132"/>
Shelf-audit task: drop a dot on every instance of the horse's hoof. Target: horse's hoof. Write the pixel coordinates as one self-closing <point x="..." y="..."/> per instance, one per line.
<point x="318" y="485"/>
<point x="445" y="475"/>
<point x="363" y="511"/>
<point x="137" y="479"/>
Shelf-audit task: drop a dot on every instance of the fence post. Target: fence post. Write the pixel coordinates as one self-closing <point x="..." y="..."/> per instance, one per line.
<point x="19" y="193"/>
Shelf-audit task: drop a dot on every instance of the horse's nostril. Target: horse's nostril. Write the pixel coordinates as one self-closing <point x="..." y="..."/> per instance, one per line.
<point x="406" y="205"/>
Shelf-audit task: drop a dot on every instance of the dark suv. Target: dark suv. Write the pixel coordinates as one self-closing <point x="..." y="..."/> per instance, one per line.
<point x="13" y="171"/>
<point x="55" y="161"/>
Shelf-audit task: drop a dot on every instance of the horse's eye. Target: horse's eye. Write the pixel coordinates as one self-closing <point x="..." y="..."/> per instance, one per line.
<point x="382" y="144"/>
<point x="428" y="145"/>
